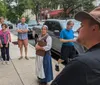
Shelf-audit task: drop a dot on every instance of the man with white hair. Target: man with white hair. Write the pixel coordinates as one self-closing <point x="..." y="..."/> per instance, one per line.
<point x="84" y="69"/>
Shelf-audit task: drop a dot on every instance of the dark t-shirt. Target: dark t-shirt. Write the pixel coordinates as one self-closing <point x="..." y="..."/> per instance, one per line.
<point x="83" y="70"/>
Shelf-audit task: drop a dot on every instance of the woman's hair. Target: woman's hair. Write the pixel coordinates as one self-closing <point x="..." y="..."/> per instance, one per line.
<point x="69" y="22"/>
<point x="4" y="25"/>
<point x="45" y="26"/>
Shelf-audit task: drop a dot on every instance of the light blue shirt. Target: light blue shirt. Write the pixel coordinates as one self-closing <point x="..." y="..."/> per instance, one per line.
<point x="22" y="36"/>
<point x="67" y="34"/>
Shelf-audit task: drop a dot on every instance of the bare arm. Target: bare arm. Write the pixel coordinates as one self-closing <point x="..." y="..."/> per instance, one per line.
<point x="19" y="31"/>
<point x="68" y="40"/>
<point x="0" y="42"/>
<point x="47" y="47"/>
<point x="9" y="39"/>
<point x="25" y="30"/>
<point x="37" y="47"/>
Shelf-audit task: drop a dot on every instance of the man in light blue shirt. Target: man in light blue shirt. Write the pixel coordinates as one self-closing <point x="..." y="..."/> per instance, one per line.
<point x="22" y="29"/>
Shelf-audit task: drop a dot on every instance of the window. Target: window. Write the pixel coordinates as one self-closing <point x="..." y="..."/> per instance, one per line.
<point x="49" y="24"/>
<point x="57" y="26"/>
<point x="53" y="25"/>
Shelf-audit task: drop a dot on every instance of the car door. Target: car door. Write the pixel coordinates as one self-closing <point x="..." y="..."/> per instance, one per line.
<point x="51" y="27"/>
<point x="55" y="26"/>
<point x="56" y="42"/>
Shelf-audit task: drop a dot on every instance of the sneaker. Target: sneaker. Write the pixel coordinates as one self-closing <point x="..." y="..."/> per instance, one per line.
<point x="3" y="62"/>
<point x="43" y="83"/>
<point x="57" y="67"/>
<point x="26" y="58"/>
<point x="7" y="62"/>
<point x="20" y="58"/>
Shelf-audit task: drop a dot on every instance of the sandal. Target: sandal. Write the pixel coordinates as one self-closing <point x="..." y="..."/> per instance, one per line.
<point x="20" y="58"/>
<point x="26" y="58"/>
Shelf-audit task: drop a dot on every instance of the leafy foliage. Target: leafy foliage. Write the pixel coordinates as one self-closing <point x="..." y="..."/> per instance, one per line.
<point x="3" y="9"/>
<point x="13" y="13"/>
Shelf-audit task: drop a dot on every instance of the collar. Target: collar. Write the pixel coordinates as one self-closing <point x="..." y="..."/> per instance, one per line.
<point x="97" y="46"/>
<point x="22" y="23"/>
<point x="68" y="29"/>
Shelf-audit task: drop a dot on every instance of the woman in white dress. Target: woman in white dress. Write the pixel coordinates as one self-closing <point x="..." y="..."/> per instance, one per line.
<point x="44" y="62"/>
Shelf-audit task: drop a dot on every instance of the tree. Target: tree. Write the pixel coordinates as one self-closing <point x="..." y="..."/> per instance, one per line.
<point x="72" y="6"/>
<point x="3" y="8"/>
<point x="88" y="5"/>
<point x="68" y="6"/>
<point x="14" y="13"/>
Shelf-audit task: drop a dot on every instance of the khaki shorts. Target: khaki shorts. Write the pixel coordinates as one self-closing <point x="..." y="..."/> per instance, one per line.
<point x="22" y="42"/>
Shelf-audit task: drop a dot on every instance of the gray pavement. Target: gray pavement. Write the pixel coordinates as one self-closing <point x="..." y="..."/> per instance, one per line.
<point x="20" y="72"/>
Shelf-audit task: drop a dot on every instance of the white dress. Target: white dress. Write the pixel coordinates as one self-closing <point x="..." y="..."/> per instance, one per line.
<point x="39" y="59"/>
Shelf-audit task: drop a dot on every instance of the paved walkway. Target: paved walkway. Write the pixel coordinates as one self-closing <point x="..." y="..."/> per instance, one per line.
<point x="20" y="72"/>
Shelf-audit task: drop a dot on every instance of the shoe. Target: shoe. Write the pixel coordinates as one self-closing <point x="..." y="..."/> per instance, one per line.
<point x="42" y="83"/>
<point x="26" y="58"/>
<point x="20" y="58"/>
<point x="7" y="62"/>
<point x="3" y="62"/>
<point x="57" y="67"/>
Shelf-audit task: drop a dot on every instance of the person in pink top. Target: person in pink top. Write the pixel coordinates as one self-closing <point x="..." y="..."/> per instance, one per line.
<point x="5" y="38"/>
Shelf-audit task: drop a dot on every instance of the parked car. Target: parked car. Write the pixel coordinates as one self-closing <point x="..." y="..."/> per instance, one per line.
<point x="54" y="28"/>
<point x="10" y="25"/>
<point x="39" y="26"/>
<point x="31" y="25"/>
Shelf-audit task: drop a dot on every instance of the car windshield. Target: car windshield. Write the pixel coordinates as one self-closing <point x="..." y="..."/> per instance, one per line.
<point x="63" y="24"/>
<point x="41" y="23"/>
<point x="7" y="22"/>
<point x="32" y="22"/>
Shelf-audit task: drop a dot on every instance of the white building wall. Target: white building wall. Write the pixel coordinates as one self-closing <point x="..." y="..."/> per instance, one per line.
<point x="28" y="13"/>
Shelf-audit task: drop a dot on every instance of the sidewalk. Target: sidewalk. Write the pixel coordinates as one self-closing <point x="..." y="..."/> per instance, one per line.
<point x="20" y="72"/>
